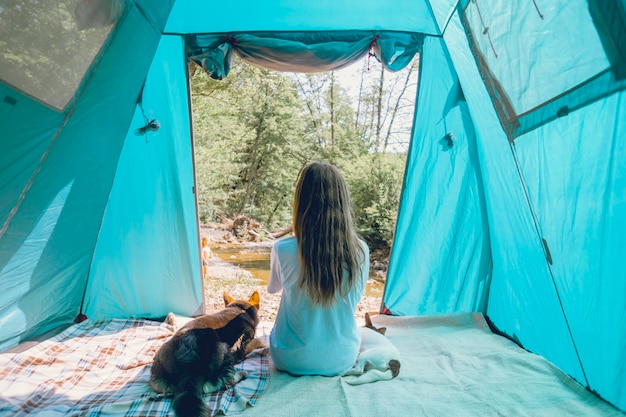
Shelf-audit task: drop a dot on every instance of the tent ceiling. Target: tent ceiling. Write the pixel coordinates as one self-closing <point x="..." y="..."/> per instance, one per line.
<point x="189" y="17"/>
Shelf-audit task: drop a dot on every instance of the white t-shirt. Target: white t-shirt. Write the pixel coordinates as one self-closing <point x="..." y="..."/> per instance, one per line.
<point x="308" y="339"/>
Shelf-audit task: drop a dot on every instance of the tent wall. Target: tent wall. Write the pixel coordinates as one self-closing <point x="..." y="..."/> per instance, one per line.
<point x="563" y="183"/>
<point x="441" y="261"/>
<point x="517" y="253"/>
<point x="57" y="171"/>
<point x="574" y="170"/>
<point x="146" y="262"/>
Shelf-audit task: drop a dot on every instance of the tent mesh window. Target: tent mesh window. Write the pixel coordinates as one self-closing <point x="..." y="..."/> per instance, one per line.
<point x="546" y="71"/>
<point x="47" y="47"/>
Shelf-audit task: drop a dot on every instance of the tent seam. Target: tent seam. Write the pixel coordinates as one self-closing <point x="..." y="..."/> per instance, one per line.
<point x="548" y="259"/>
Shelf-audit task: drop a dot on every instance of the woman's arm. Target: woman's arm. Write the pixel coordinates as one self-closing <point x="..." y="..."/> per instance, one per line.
<point x="275" y="284"/>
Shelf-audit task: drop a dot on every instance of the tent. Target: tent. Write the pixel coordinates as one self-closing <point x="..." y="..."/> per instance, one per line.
<point x="514" y="197"/>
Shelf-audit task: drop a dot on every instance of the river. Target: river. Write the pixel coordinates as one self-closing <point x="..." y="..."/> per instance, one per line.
<point x="256" y="260"/>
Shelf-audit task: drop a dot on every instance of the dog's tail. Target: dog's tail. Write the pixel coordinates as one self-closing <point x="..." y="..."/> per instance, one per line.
<point x="394" y="365"/>
<point x="371" y="375"/>
<point x="189" y="403"/>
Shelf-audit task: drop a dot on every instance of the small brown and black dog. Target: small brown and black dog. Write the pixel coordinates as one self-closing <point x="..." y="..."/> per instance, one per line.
<point x="201" y="356"/>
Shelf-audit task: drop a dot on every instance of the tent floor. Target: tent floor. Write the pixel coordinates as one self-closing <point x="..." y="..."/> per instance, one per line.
<point x="452" y="365"/>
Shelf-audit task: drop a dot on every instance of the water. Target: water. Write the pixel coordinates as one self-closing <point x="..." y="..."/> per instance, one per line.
<point x="256" y="260"/>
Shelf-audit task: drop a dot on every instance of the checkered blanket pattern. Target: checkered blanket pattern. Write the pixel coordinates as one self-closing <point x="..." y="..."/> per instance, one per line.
<point x="102" y="368"/>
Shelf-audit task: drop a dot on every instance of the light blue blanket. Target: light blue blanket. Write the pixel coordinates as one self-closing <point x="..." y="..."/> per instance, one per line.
<point x="452" y="365"/>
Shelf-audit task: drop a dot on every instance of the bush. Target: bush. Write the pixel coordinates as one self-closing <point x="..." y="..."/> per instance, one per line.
<point x="375" y="184"/>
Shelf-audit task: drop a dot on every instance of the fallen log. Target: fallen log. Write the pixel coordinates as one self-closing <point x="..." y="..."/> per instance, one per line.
<point x="280" y="233"/>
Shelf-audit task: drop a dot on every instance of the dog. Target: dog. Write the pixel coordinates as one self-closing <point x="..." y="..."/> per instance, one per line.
<point x="201" y="356"/>
<point x="378" y="358"/>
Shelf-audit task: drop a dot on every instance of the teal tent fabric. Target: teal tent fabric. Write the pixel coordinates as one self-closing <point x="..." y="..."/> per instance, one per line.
<point x="442" y="217"/>
<point x="52" y="211"/>
<point x="302" y="51"/>
<point x="519" y="283"/>
<point x="565" y="299"/>
<point x="146" y="262"/>
<point x="193" y="16"/>
<point x="580" y="206"/>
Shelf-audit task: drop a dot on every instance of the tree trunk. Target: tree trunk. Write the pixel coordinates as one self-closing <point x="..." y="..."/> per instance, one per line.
<point x="307" y="102"/>
<point x="252" y="168"/>
<point x="379" y="109"/>
<point x="360" y="97"/>
<point x="396" y="107"/>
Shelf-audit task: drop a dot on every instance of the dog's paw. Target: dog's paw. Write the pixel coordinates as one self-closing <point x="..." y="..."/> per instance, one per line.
<point x="209" y="388"/>
<point x="170" y="319"/>
<point x="254" y="344"/>
<point x="238" y="376"/>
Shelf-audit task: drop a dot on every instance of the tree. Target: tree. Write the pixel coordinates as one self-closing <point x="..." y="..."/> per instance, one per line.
<point x="330" y="119"/>
<point x="375" y="183"/>
<point x="256" y="129"/>
<point x="385" y="104"/>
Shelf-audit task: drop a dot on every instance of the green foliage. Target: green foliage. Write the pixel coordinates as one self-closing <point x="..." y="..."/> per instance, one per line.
<point x="255" y="131"/>
<point x="247" y="137"/>
<point x="375" y="182"/>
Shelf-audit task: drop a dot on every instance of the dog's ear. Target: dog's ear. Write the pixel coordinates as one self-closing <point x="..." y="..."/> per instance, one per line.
<point x="368" y="321"/>
<point x="255" y="300"/>
<point x="370" y="325"/>
<point x="228" y="299"/>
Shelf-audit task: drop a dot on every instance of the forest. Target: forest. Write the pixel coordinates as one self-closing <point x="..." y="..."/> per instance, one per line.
<point x="256" y="129"/>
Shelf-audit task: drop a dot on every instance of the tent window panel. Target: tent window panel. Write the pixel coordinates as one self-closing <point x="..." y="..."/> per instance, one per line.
<point x="47" y="47"/>
<point x="535" y="59"/>
<point x="302" y="51"/>
<point x="539" y="61"/>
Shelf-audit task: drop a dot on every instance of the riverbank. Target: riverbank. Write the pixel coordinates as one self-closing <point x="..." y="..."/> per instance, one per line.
<point x="240" y="284"/>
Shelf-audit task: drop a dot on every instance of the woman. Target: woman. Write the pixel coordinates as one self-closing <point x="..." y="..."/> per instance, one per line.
<point x="322" y="271"/>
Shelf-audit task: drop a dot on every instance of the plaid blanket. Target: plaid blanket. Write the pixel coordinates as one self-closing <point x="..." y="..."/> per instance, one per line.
<point x="102" y="368"/>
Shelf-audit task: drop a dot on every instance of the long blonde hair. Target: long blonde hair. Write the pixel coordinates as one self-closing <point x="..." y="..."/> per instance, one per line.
<point x="328" y="244"/>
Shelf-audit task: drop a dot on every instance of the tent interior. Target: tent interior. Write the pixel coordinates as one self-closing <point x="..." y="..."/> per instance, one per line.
<point x="518" y="221"/>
